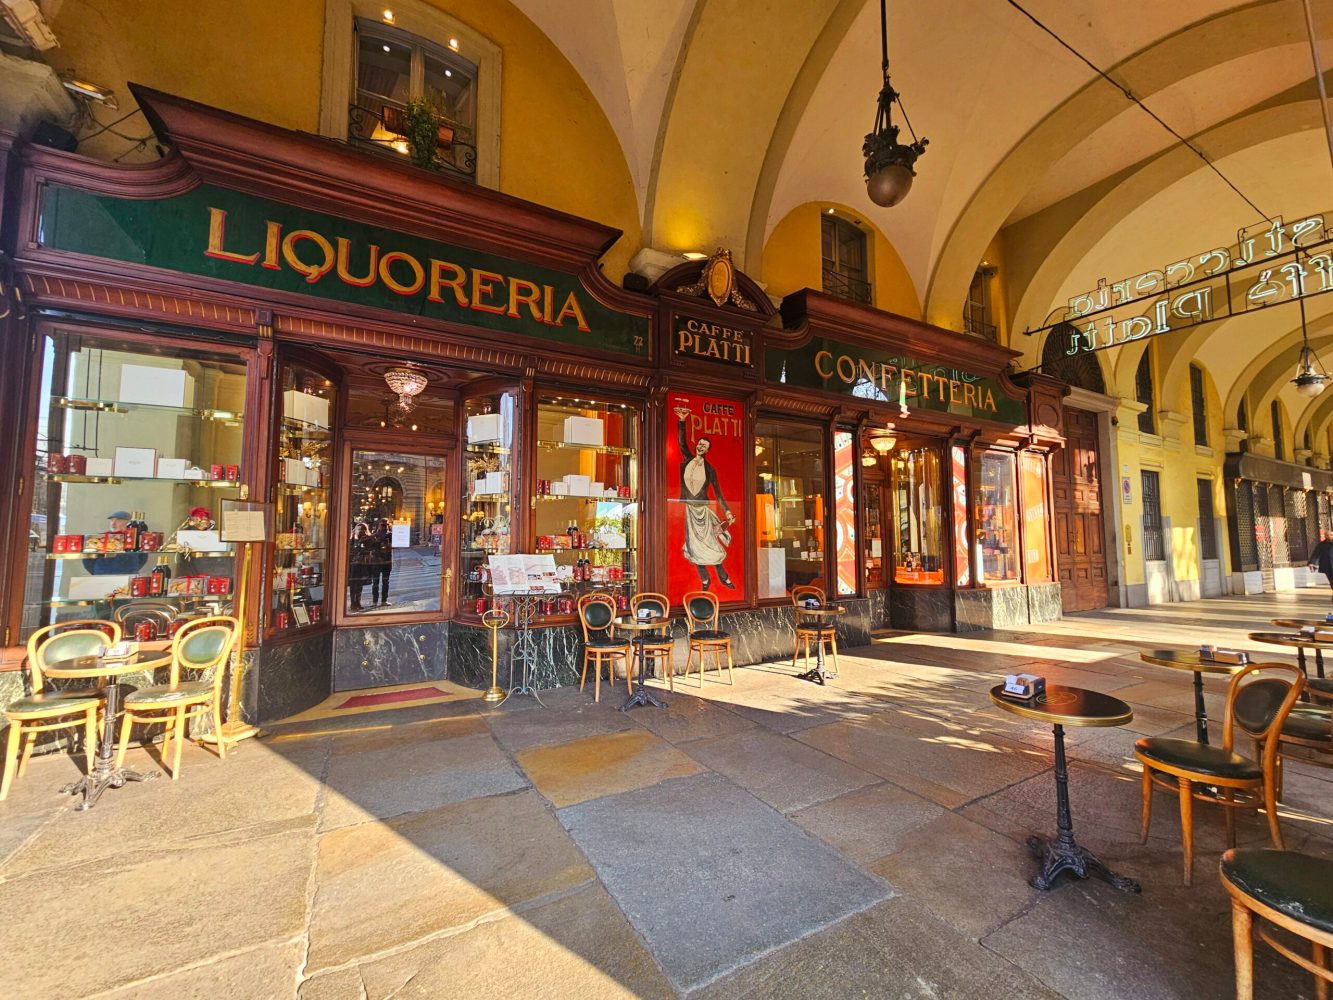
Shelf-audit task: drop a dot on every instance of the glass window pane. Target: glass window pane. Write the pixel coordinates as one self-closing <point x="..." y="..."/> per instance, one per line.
<point x="490" y="434"/>
<point x="383" y="68"/>
<point x="587" y="494"/>
<point x="789" y="506"/>
<point x="376" y="407"/>
<point x="393" y="552"/>
<point x="962" y="563"/>
<point x="996" y="518"/>
<point x="132" y="443"/>
<point x="1035" y="549"/>
<point x="918" y="520"/>
<point x="844" y="499"/>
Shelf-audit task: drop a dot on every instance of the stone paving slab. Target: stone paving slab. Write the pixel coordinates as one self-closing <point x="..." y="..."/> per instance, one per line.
<point x="688" y="717"/>
<point x="710" y="877"/>
<point x="869" y="823"/>
<point x="264" y="973"/>
<point x="568" y="715"/>
<point x="603" y="765"/>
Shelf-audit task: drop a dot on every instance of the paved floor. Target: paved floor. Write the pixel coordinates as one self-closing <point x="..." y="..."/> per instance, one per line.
<point x="771" y="839"/>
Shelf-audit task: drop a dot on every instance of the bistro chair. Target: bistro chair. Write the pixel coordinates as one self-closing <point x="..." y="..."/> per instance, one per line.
<point x="201" y="646"/>
<point x="46" y="711"/>
<point x="807" y="634"/>
<point x="1258" y="708"/>
<point x="706" y="638"/>
<point x="1287" y="890"/>
<point x="601" y="648"/>
<point x="1309" y="726"/>
<point x="655" y="649"/>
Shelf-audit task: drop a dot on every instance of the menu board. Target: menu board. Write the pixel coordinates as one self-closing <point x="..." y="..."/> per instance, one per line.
<point x="523" y="574"/>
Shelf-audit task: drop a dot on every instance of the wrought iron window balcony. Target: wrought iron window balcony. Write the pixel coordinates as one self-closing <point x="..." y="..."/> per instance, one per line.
<point x="378" y="123"/>
<point x="846" y="286"/>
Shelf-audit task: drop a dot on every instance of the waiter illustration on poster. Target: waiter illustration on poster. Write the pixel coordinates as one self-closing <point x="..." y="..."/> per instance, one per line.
<point x="707" y="536"/>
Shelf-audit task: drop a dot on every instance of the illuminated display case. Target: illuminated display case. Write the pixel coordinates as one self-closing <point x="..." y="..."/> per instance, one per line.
<point x="918" y="515"/>
<point x="586" y="494"/>
<point x="303" y="478"/>
<point x="874" y="540"/>
<point x="490" y="444"/>
<point x="789" y="506"/>
<point x="996" y="519"/>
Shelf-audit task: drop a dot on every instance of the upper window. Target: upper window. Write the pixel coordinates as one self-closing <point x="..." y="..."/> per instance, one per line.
<point x="1279" y="446"/>
<point x="1199" y="405"/>
<point x="393" y="69"/>
<point x="1143" y="392"/>
<point x="977" y="309"/>
<point x="845" y="260"/>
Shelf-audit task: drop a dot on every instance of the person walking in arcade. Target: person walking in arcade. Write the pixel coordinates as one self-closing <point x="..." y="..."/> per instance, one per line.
<point x="1321" y="557"/>
<point x="707" y="536"/>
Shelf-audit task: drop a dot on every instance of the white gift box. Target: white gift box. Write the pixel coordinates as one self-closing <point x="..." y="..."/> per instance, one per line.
<point x="596" y="489"/>
<point x="578" y="485"/>
<point x="772" y="572"/>
<point x="193" y="472"/>
<point x="559" y="489"/>
<point x="584" y="430"/>
<point x="94" y="588"/>
<point x="479" y="486"/>
<point x="101" y="467"/>
<point x="139" y="463"/>
<point x="485" y="428"/>
<point x="293" y="471"/>
<point x="306" y="407"/>
<point x="158" y="386"/>
<point x="201" y="541"/>
<point x="171" y="468"/>
<point x="495" y="482"/>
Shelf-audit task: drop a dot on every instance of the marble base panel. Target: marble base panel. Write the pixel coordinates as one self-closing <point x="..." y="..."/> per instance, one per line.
<point x="287" y="678"/>
<point x="919" y="610"/>
<point x="1045" y="602"/>
<point x="376" y="656"/>
<point x="559" y="656"/>
<point x="1006" y="607"/>
<point x="879" y="609"/>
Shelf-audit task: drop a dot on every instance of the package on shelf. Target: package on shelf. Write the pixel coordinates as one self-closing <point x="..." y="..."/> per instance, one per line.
<point x="100" y="467"/>
<point x="584" y="430"/>
<point x="559" y="488"/>
<point x="201" y="541"/>
<point x="485" y="428"/>
<point x="139" y="463"/>
<point x="596" y="489"/>
<point x="193" y="472"/>
<point x="306" y="407"/>
<point x="94" y="588"/>
<point x="158" y="386"/>
<point x="578" y="485"/>
<point x="612" y="540"/>
<point x="218" y="585"/>
<point x="172" y="468"/>
<point x="479" y="486"/>
<point x="294" y="471"/>
<point x="495" y="482"/>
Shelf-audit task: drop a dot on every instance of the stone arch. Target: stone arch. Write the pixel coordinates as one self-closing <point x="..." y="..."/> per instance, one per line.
<point x="1083" y="370"/>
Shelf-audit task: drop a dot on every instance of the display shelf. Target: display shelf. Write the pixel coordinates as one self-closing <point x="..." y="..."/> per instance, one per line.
<point x="190" y="554"/>
<point x="558" y="496"/>
<point x="488" y="449"/>
<point x="602" y="449"/>
<point x="294" y="488"/>
<point x="558" y="550"/>
<point x="69" y="477"/>
<point x="312" y="431"/>
<point x="82" y="602"/>
<point x="116" y="406"/>
<point x="488" y="497"/>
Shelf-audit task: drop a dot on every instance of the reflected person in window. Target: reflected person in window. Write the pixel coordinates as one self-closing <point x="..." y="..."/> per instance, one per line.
<point x="706" y="535"/>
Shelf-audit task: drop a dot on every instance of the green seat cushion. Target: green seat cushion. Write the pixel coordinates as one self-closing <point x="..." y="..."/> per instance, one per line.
<point x="1324" y="684"/>
<point x="710" y="635"/>
<point x="1189" y="755"/>
<point x="192" y="691"/>
<point x="1296" y="885"/>
<point x="606" y="642"/>
<point x="1308" y="722"/>
<point x="70" y="701"/>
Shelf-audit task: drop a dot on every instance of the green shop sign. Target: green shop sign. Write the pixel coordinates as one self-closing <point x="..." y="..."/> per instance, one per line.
<point x="851" y="370"/>
<point x="218" y="233"/>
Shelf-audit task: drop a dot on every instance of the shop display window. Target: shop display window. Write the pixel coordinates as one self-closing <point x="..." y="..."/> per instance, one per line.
<point x="137" y="446"/>
<point x="395" y="533"/>
<point x="789" y="506"/>
<point x="844" y="501"/>
<point x="874" y="540"/>
<point x="490" y="438"/>
<point x="918" y="514"/>
<point x="303" y="478"/>
<point x="996" y="519"/>
<point x="1035" y="550"/>
<point x="586" y="494"/>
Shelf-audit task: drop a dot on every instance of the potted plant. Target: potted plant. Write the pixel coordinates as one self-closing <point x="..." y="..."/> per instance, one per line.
<point x="421" y="129"/>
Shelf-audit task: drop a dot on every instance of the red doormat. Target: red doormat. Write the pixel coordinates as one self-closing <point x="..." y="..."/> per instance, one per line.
<point x="388" y="697"/>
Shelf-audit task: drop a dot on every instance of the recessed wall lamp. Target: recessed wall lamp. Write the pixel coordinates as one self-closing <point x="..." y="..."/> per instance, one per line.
<point x="889" y="163"/>
<point x="388" y="16"/>
<point x="93" y="92"/>
<point x="869" y="458"/>
<point x="1310" y="375"/>
<point x="693" y="255"/>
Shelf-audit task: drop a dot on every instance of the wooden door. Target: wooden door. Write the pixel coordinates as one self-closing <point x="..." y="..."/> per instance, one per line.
<point x="1079" y="538"/>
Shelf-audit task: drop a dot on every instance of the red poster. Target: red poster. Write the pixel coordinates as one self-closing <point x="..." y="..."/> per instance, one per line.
<point x="705" y="454"/>
<point x="961" y="549"/>
<point x="844" y="478"/>
<point x="1033" y="473"/>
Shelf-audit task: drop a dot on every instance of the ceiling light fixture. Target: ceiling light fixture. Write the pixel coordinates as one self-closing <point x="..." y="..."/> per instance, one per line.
<point x="884" y="440"/>
<point x="388" y="16"/>
<point x="407" y="383"/>
<point x="869" y="458"/>
<point x="889" y="163"/>
<point x="1310" y="375"/>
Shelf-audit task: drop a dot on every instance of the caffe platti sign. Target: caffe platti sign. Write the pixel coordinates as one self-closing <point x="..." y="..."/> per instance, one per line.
<point x="214" y="232"/>
<point x="866" y="373"/>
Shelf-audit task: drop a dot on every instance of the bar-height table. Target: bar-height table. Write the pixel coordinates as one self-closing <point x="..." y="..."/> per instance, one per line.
<point x="1192" y="659"/>
<point x="1067" y="706"/>
<point x="823" y="621"/>
<point x="640" y="629"/>
<point x="104" y="774"/>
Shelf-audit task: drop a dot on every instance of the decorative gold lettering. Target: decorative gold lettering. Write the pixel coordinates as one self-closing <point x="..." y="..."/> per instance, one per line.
<point x="846" y="368"/>
<point x="572" y="308"/>
<point x="312" y="272"/>
<point x="272" y="245"/>
<point x="217" y="234"/>
<point x="344" y="252"/>
<point x="439" y="282"/>
<point x="531" y="298"/>
<point x="825" y="356"/>
<point x="386" y="275"/>
<point x="483" y="283"/>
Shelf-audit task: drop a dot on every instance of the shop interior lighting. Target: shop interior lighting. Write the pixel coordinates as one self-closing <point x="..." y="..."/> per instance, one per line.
<point x="884" y="440"/>
<point x="388" y="16"/>
<point x="407" y="383"/>
<point x="453" y="44"/>
<point x="93" y="92"/>
<point x="890" y="164"/>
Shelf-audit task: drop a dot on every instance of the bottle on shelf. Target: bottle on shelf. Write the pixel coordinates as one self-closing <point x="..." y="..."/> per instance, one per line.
<point x="159" y="578"/>
<point x="132" y="532"/>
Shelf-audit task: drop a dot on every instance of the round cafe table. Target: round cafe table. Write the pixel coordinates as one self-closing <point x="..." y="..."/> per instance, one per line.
<point x="1299" y="642"/>
<point x="1192" y="660"/>
<point x="1067" y="706"/>
<point x="1299" y="623"/>
<point x="104" y="775"/>
<point x="640" y="630"/>
<point x="821" y="620"/>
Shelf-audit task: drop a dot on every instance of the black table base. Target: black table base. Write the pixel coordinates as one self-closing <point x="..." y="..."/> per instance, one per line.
<point x="817" y="675"/>
<point x="641" y="697"/>
<point x="105" y="774"/>
<point x="1062" y="854"/>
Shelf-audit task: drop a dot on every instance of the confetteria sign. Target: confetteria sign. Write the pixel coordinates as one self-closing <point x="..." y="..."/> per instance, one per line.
<point x="695" y="338"/>
<point x="218" y="233"/>
<point x="850" y="369"/>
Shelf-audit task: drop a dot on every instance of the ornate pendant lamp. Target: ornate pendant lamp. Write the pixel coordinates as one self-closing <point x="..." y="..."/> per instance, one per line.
<point x="1310" y="375"/>
<point x="408" y="383"/>
<point x="889" y="163"/>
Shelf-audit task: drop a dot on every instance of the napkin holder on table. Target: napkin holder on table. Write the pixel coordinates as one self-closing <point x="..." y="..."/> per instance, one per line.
<point x="1024" y="687"/>
<point x="1216" y="654"/>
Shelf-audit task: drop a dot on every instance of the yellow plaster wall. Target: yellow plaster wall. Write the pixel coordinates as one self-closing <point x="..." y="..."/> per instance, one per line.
<point x="999" y="294"/>
<point x="263" y="60"/>
<point x="792" y="260"/>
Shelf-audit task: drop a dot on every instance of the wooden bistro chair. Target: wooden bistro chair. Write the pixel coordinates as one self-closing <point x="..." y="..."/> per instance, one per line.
<point x="201" y="646"/>
<point x="657" y="649"/>
<point x="45" y="711"/>
<point x="1287" y="890"/>
<point x="1258" y="708"/>
<point x="706" y="638"/>
<point x="600" y="645"/>
<point x="805" y="633"/>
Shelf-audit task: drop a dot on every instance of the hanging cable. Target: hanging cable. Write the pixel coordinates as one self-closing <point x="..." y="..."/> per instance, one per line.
<point x="1129" y="95"/>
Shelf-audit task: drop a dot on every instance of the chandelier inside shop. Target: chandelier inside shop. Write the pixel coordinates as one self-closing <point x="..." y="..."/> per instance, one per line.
<point x="407" y="383"/>
<point x="889" y="163"/>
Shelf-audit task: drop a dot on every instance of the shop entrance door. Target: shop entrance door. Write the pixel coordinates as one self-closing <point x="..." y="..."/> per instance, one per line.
<point x="1077" y="490"/>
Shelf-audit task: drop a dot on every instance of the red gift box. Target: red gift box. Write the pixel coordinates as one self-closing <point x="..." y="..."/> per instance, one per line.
<point x="219" y="585"/>
<point x="139" y="586"/>
<point x="77" y="464"/>
<point x="57" y="463"/>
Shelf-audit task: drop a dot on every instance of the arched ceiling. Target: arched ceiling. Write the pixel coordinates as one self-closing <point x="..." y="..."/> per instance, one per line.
<point x="730" y="115"/>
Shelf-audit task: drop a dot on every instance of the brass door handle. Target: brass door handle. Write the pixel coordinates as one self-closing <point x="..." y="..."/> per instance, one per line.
<point x="448" y="583"/>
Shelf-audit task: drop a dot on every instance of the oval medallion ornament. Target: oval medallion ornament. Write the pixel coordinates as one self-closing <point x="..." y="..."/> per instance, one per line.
<point x="720" y="277"/>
